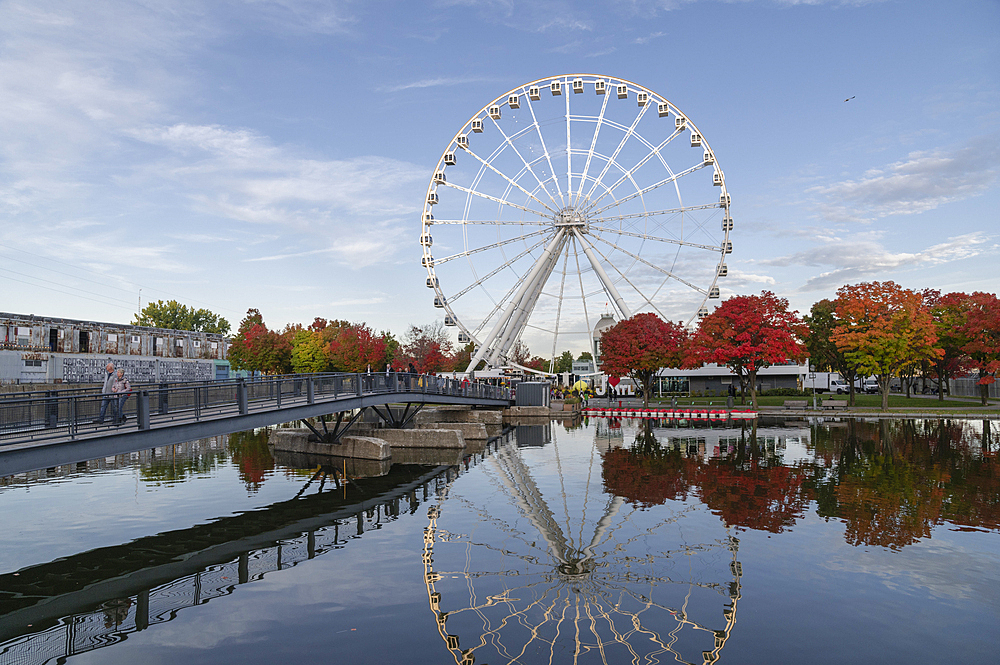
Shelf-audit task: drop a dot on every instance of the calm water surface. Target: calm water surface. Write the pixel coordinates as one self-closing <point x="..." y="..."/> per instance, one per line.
<point x="606" y="542"/>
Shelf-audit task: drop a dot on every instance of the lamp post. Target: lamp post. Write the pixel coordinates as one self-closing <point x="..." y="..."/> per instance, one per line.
<point x="812" y="377"/>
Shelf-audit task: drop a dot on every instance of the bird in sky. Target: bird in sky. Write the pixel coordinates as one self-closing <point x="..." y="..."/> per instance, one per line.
<point x="850" y="98"/>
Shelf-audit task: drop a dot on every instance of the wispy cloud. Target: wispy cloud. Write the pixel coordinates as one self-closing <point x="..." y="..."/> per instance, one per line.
<point x="863" y="255"/>
<point x="649" y="38"/>
<point x="435" y="83"/>
<point x="924" y="181"/>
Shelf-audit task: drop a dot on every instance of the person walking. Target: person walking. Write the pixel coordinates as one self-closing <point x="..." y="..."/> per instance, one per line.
<point x="122" y="388"/>
<point x="107" y="393"/>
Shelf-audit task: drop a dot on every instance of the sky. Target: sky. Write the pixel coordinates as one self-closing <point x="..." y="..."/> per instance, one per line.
<point x="275" y="154"/>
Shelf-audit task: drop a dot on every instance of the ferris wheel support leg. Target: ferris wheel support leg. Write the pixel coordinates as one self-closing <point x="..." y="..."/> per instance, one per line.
<point x="623" y="309"/>
<point x="513" y="332"/>
<point x="484" y="348"/>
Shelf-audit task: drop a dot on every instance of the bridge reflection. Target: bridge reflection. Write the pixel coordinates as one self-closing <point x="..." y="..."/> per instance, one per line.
<point x="95" y="599"/>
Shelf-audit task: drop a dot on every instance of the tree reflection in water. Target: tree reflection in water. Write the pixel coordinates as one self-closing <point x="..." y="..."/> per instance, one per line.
<point x="252" y="455"/>
<point x="890" y="481"/>
<point x="534" y="563"/>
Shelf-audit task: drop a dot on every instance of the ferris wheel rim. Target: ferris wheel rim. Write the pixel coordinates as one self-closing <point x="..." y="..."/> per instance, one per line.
<point x="545" y="200"/>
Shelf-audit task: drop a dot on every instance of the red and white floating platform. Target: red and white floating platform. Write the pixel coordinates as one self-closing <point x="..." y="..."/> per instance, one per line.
<point x="670" y="414"/>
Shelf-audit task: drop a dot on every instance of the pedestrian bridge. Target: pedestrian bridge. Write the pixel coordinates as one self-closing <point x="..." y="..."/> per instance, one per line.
<point x="44" y="429"/>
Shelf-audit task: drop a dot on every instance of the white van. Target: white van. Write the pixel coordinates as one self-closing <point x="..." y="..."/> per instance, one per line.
<point x="839" y="386"/>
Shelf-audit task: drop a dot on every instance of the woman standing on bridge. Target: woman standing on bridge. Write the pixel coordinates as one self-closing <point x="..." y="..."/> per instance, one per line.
<point x="123" y="389"/>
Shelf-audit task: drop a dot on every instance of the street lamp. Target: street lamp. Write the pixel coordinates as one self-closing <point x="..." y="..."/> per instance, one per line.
<point x="812" y="376"/>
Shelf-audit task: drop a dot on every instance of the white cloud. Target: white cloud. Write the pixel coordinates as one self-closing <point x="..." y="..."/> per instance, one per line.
<point x="924" y="181"/>
<point x="435" y="82"/>
<point x="862" y="256"/>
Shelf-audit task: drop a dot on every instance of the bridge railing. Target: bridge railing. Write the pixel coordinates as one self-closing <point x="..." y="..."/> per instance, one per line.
<point x="60" y="414"/>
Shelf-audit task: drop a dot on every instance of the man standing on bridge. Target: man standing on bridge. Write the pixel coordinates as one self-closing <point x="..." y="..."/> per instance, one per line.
<point x="107" y="392"/>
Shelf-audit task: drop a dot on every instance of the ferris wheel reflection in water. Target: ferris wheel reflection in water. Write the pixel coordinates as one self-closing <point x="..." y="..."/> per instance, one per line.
<point x="529" y="559"/>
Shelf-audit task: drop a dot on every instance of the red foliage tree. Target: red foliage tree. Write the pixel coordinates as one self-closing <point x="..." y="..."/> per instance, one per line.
<point x="356" y="348"/>
<point x="950" y="312"/>
<point x="640" y="346"/>
<point x="257" y="349"/>
<point x="982" y="329"/>
<point x="747" y="333"/>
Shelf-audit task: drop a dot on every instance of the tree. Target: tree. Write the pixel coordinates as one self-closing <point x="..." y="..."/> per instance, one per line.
<point x="884" y="328"/>
<point x="823" y="353"/>
<point x="640" y="346"/>
<point x="172" y="315"/>
<point x="563" y="363"/>
<point x="309" y="352"/>
<point x="520" y="354"/>
<point x="748" y="333"/>
<point x="950" y="313"/>
<point x="982" y="329"/>
<point x="356" y="349"/>
<point x="427" y="347"/>
<point x="257" y="349"/>
<point x="586" y="355"/>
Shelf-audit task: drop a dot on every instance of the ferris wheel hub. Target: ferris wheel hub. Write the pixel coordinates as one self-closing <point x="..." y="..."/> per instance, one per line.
<point x="571" y="216"/>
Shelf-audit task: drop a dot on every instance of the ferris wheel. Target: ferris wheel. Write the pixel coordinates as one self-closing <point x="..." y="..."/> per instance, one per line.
<point x="569" y="198"/>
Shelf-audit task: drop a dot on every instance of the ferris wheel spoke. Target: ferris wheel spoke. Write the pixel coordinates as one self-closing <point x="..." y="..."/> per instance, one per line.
<point x="484" y="248"/>
<point x="508" y="140"/>
<point x="490" y="166"/>
<point x="593" y="145"/>
<point x="489" y="222"/>
<point x="654" y="213"/>
<point x="653" y="266"/>
<point x="655" y="185"/>
<point x="621" y="145"/>
<point x="496" y="270"/>
<point x="491" y="198"/>
<point x="545" y="151"/>
<point x="682" y="243"/>
<point x="562" y="289"/>
<point x="628" y="174"/>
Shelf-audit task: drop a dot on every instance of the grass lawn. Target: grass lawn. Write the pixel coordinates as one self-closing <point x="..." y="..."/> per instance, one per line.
<point x="860" y="401"/>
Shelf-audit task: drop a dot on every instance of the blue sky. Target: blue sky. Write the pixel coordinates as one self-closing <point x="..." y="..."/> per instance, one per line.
<point x="275" y="153"/>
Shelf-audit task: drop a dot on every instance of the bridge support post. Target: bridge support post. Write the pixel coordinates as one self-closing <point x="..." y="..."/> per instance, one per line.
<point x="51" y="410"/>
<point x="310" y="391"/>
<point x="357" y="383"/>
<point x="142" y="410"/>
<point x="277" y="385"/>
<point x="241" y="397"/>
<point x="395" y="382"/>
<point x="164" y="399"/>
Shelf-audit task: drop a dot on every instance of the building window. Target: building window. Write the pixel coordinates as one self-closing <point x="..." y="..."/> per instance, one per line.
<point x="32" y="363"/>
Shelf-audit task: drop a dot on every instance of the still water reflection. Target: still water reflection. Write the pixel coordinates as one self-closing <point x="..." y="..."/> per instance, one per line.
<point x="601" y="542"/>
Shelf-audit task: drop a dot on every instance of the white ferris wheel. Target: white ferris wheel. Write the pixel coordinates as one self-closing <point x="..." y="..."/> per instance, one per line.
<point x="567" y="198"/>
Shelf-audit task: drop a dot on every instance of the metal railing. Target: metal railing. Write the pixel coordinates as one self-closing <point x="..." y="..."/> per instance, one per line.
<point x="40" y="416"/>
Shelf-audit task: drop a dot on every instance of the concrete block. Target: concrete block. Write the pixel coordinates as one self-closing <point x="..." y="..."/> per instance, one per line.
<point x="303" y="441"/>
<point x="457" y="414"/>
<point x="422" y="438"/>
<point x="470" y="431"/>
<point x="522" y="411"/>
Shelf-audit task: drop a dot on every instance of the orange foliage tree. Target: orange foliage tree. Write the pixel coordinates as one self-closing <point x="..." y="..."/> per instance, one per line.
<point x="355" y="348"/>
<point x="883" y="329"/>
<point x="747" y="333"/>
<point x="640" y="346"/>
<point x="982" y="329"/>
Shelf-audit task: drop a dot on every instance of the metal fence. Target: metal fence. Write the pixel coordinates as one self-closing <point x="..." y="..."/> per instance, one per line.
<point x="73" y="413"/>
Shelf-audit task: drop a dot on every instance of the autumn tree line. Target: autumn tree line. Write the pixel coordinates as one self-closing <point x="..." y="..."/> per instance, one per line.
<point x="870" y="329"/>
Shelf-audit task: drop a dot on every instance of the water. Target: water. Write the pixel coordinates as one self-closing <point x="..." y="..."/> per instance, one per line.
<point x="603" y="542"/>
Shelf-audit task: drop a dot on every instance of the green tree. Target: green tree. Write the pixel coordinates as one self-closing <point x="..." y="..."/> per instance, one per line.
<point x="586" y="355"/>
<point x="309" y="352"/>
<point x="172" y="315"/>
<point x="564" y="363"/>
<point x="823" y="353"/>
